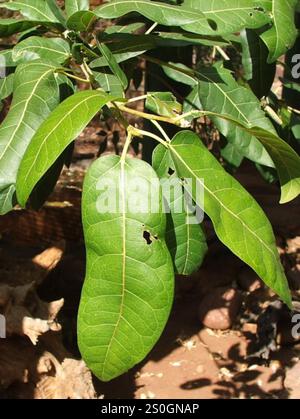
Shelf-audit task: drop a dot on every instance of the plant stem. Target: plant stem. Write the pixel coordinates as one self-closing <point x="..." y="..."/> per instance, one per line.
<point x="147" y="115"/>
<point x="151" y="28"/>
<point x="162" y="131"/>
<point x="222" y="53"/>
<point x="127" y="144"/>
<point x="150" y="135"/>
<point x="74" y="77"/>
<point x="137" y="98"/>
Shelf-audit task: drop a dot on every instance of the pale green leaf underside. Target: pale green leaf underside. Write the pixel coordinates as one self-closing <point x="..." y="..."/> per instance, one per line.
<point x="128" y="289"/>
<point x="37" y="10"/>
<point x="64" y="124"/>
<point x="73" y="6"/>
<point x="81" y="21"/>
<point x="55" y="50"/>
<point x="238" y="220"/>
<point x="6" y="86"/>
<point x="220" y="93"/>
<point x="36" y="94"/>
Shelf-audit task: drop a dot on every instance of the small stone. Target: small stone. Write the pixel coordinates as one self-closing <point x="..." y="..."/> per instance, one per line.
<point x="249" y="328"/>
<point x="292" y="381"/>
<point x="219" y="308"/>
<point x="248" y="280"/>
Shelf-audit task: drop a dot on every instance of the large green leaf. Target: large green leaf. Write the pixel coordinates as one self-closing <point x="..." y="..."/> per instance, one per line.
<point x="64" y="124"/>
<point x="36" y="94"/>
<point x="55" y="50"/>
<point x="164" y="14"/>
<point x="184" y="236"/>
<point x="229" y="16"/>
<point x="9" y="27"/>
<point x="191" y="19"/>
<point x="282" y="35"/>
<point x="238" y="220"/>
<point x="73" y="6"/>
<point x="128" y="289"/>
<point x="220" y="93"/>
<point x="36" y="10"/>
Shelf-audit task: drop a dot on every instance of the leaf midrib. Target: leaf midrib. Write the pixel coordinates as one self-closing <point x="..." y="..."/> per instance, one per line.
<point x="122" y="164"/>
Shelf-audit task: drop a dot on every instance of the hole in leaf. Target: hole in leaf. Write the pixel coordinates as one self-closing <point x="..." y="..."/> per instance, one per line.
<point x="147" y="237"/>
<point x="171" y="171"/>
<point x="251" y="14"/>
<point x="212" y="24"/>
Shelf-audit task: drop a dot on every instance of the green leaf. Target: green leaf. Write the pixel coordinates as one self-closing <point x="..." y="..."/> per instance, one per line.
<point x="193" y="39"/>
<point x="109" y="83"/>
<point x="238" y="220"/>
<point x="163" y="103"/>
<point x="81" y="21"/>
<point x="184" y="236"/>
<point x="112" y="63"/>
<point x="257" y="71"/>
<point x="9" y="27"/>
<point x="55" y="50"/>
<point x="35" y="95"/>
<point x="130" y="28"/>
<point x="190" y="19"/>
<point x="57" y="12"/>
<point x="220" y="93"/>
<point x="6" y="86"/>
<point x="179" y="76"/>
<point x="54" y="135"/>
<point x="287" y="163"/>
<point x="229" y="16"/>
<point x="164" y="14"/>
<point x="282" y="35"/>
<point x="73" y="6"/>
<point x="37" y="10"/>
<point x="128" y="289"/>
